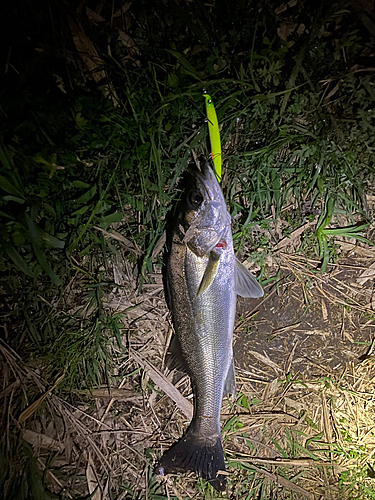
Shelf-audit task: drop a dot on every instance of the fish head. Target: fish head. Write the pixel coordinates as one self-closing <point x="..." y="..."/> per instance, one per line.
<point x="204" y="217"/>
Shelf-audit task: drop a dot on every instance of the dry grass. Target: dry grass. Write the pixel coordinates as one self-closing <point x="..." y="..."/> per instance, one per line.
<point x="291" y="433"/>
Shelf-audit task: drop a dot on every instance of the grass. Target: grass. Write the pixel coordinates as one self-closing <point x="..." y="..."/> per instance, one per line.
<point x="89" y="169"/>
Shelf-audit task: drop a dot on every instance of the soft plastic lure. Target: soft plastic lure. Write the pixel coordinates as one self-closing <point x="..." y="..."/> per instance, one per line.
<point x="213" y="129"/>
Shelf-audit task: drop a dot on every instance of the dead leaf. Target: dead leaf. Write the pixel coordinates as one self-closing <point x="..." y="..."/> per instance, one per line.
<point x="282" y="8"/>
<point x="292" y="237"/>
<point x="277" y="479"/>
<point x="114" y="393"/>
<point x="42" y="440"/>
<point x="92" y="481"/>
<point x="122" y="10"/>
<point x="354" y="249"/>
<point x="324" y="311"/>
<point x="33" y="407"/>
<point x="94" y="17"/>
<point x="289" y="361"/>
<point x="126" y="40"/>
<point x="326" y="421"/>
<point x="91" y="59"/>
<point x="159" y="245"/>
<point x="332" y="92"/>
<point x="292" y="403"/>
<point x="366" y="275"/>
<point x="270" y="389"/>
<point x="164" y="384"/>
<point x="119" y="237"/>
<point x="266" y="360"/>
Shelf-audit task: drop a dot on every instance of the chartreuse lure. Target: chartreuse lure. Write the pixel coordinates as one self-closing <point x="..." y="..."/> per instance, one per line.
<point x="213" y="129"/>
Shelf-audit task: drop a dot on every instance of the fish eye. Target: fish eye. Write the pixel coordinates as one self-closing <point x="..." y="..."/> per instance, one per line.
<point x="195" y="199"/>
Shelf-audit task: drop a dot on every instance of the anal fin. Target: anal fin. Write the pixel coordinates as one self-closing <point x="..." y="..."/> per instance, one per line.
<point x="230" y="381"/>
<point x="174" y="358"/>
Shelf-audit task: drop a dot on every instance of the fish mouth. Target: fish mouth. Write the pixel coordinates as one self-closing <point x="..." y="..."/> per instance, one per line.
<point x="203" y="172"/>
<point x="206" y="174"/>
<point x="213" y="219"/>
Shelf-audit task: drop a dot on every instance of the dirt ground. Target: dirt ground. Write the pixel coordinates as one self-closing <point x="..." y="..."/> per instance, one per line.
<point x="301" y="364"/>
<point x="304" y="411"/>
<point x="314" y="329"/>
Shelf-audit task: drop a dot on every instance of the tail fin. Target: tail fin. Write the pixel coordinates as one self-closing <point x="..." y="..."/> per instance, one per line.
<point x="190" y="454"/>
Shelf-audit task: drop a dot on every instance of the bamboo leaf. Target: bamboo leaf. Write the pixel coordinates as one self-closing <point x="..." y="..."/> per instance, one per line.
<point x="17" y="259"/>
<point x="52" y="241"/>
<point x="10" y="188"/>
<point x="87" y="196"/>
<point x="36" y="234"/>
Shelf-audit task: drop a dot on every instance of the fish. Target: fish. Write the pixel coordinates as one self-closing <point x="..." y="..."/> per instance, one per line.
<point x="203" y="279"/>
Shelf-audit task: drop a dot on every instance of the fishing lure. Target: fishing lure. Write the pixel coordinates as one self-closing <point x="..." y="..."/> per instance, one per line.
<point x="213" y="129"/>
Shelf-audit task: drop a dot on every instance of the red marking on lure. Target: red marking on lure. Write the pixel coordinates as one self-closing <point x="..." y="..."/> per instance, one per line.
<point x="221" y="244"/>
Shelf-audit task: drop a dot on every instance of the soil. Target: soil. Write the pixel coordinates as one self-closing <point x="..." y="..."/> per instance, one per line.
<point x="310" y="332"/>
<point x="300" y="367"/>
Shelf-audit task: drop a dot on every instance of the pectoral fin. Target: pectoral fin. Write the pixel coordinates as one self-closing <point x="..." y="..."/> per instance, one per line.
<point x="246" y="285"/>
<point x="209" y="273"/>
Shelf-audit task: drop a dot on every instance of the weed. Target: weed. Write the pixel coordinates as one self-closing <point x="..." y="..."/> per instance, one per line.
<point x="75" y="169"/>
